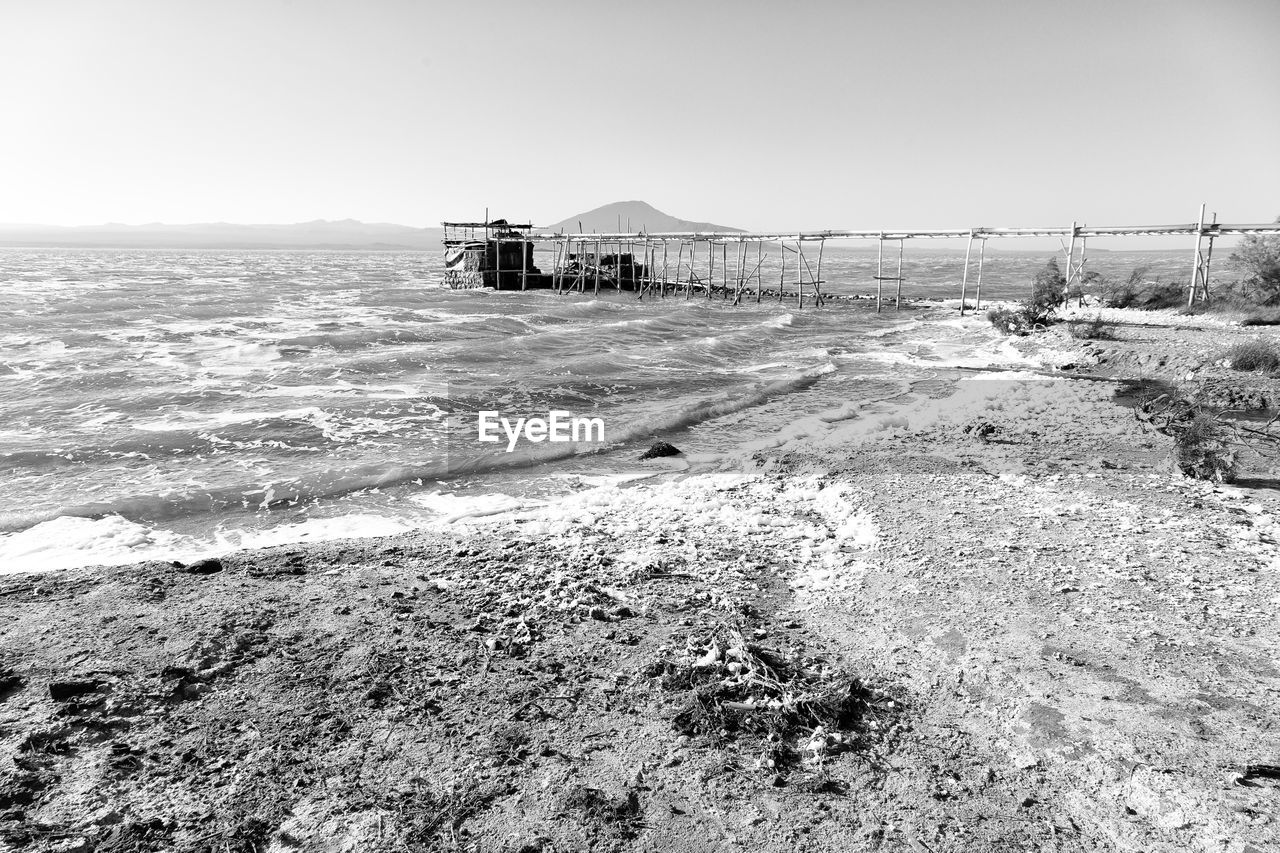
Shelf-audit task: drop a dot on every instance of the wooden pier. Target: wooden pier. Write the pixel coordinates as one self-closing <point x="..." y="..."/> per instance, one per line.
<point x="710" y="263"/>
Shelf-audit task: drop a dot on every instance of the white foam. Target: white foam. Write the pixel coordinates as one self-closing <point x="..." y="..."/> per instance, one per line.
<point x="353" y="526"/>
<point x="455" y="507"/>
<point x="904" y="326"/>
<point x="63" y="543"/>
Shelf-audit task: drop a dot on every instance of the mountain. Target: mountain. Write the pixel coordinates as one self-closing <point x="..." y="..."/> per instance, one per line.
<point x="635" y="216"/>
<point x="640" y="215"/>
<point x="318" y="234"/>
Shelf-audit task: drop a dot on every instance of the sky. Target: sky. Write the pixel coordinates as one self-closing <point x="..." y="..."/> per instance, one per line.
<point x="752" y="114"/>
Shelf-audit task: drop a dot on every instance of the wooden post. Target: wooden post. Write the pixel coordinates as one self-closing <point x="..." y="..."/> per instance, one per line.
<point x="644" y="279"/>
<point x="1084" y="249"/>
<point x="648" y="265"/>
<point x="580" y="282"/>
<point x="680" y="264"/>
<point x="782" y="272"/>
<point x="693" y="255"/>
<point x="596" y="264"/>
<point x="880" y="274"/>
<point x="799" y="273"/>
<point x="964" y="279"/>
<point x="759" y="273"/>
<point x="817" y="285"/>
<point x="497" y="255"/>
<point x="638" y="285"/>
<point x="897" y="300"/>
<point x="724" y="270"/>
<point x="1208" y="258"/>
<point x="739" y="270"/>
<point x="982" y="252"/>
<point x="568" y="250"/>
<point x="524" y="260"/>
<point x="1071" y="256"/>
<point x="557" y="267"/>
<point x="711" y="265"/>
<point x="664" y="269"/>
<point x="1195" y="269"/>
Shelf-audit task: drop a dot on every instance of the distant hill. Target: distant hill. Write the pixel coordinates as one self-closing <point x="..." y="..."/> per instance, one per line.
<point x="633" y="216"/>
<point x="318" y="234"/>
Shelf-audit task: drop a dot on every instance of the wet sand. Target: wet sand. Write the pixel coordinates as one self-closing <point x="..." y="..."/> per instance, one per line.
<point x="1058" y="645"/>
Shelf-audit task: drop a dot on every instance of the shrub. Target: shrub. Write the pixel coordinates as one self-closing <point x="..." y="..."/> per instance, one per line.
<point x="1019" y="320"/>
<point x="1258" y="257"/>
<point x="1136" y="293"/>
<point x="1047" y="288"/>
<point x="1096" y="329"/>
<point x="1262" y="318"/>
<point x="1202" y="444"/>
<point x="1046" y="295"/>
<point x="1259" y="355"/>
<point x="1201" y="450"/>
<point x="1125" y="295"/>
<point x="1163" y="294"/>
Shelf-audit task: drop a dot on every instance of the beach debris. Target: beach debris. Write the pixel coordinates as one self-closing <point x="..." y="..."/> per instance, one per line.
<point x="1261" y="771"/>
<point x="790" y="709"/>
<point x="660" y="449"/>
<point x="1204" y="444"/>
<point x="10" y="682"/>
<point x="203" y="567"/>
<point x="981" y="429"/>
<point x="65" y="691"/>
<point x="603" y="814"/>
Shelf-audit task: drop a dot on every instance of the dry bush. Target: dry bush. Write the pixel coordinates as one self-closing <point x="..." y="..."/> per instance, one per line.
<point x="1262" y="317"/>
<point x="1256" y="355"/>
<point x="1096" y="329"/>
<point x="789" y="708"/>
<point x="1203" y="445"/>
<point x="1126" y="294"/>
<point x="1019" y="320"/>
<point x="1258" y="257"/>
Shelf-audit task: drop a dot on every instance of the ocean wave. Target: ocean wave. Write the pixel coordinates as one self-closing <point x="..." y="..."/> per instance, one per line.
<point x="300" y="490"/>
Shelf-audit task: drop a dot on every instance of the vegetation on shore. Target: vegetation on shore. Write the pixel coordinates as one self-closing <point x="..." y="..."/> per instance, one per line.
<point x="1258" y="355"/>
<point x="1254" y="298"/>
<point x="1206" y="437"/>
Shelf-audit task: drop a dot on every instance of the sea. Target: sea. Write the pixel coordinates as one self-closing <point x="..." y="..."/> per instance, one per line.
<point x="177" y="404"/>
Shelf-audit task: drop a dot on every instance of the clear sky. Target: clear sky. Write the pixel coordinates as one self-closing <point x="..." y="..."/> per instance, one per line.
<point x="750" y="114"/>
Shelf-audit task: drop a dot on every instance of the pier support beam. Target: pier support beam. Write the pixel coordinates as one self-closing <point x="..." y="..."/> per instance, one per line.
<point x="982" y="253"/>
<point x="817" y="284"/>
<point x="897" y="298"/>
<point x="759" y="272"/>
<point x="664" y="269"/>
<point x="1070" y="252"/>
<point x="711" y="265"/>
<point x="1200" y="265"/>
<point x="880" y="273"/>
<point x="799" y="274"/>
<point x="782" y="270"/>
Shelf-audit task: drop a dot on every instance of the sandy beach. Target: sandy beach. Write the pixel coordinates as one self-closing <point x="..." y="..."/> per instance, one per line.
<point x="994" y="619"/>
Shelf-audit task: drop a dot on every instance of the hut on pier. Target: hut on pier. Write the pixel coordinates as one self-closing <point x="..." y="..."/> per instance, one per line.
<point x="494" y="254"/>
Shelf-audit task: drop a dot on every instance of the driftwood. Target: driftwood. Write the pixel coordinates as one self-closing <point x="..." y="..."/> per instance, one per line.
<point x="1206" y="442"/>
